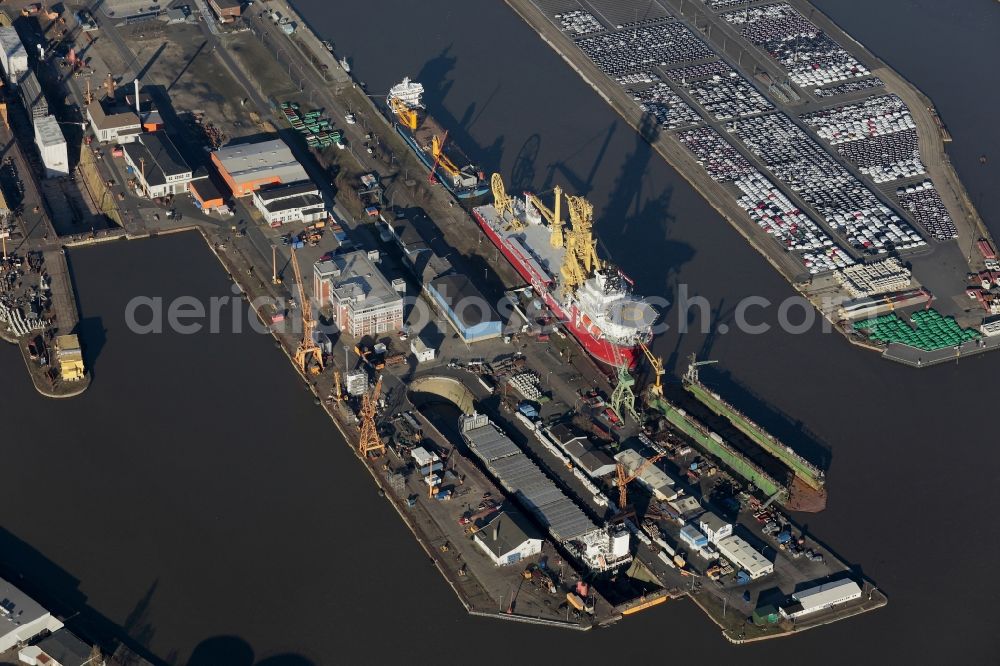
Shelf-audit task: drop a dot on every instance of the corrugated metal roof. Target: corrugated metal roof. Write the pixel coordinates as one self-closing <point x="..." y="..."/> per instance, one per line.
<point x="523" y="478"/>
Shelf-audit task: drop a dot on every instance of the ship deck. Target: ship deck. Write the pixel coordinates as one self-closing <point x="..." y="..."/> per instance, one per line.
<point x="427" y="129"/>
<point x="534" y="237"/>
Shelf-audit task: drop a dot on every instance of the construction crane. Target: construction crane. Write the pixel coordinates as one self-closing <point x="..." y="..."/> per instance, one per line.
<point x="274" y="265"/>
<point x="623" y="398"/>
<point x="624" y="478"/>
<point x="657" y="364"/>
<point x="369" y="442"/>
<point x="553" y="217"/>
<point x="442" y="160"/>
<point x="691" y="376"/>
<point x="308" y="356"/>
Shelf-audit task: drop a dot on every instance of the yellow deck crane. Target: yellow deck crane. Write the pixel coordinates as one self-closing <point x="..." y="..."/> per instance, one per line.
<point x="369" y="442"/>
<point x="624" y="478"/>
<point x="553" y="217"/>
<point x="308" y="356"/>
<point x="407" y="117"/>
<point x="657" y="364"/>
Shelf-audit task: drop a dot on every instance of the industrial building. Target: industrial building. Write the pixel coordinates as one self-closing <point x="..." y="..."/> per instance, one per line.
<point x="470" y="314"/>
<point x="821" y="597"/>
<point x="652" y="477"/>
<point x="21" y="617"/>
<point x="13" y="55"/>
<point x="713" y="527"/>
<point x="508" y="539"/>
<point x="62" y="648"/>
<point x="421" y="351"/>
<point x="600" y="549"/>
<point x="70" y="358"/>
<point x="157" y="165"/>
<point x="290" y="202"/>
<point x="226" y="10"/>
<point x="149" y="116"/>
<point x="206" y="194"/>
<point x="594" y="462"/>
<point x="692" y="537"/>
<point x="112" y="122"/>
<point x="361" y="300"/>
<point x="745" y="556"/>
<point x="246" y="167"/>
<point x="52" y="146"/>
<point x="32" y="96"/>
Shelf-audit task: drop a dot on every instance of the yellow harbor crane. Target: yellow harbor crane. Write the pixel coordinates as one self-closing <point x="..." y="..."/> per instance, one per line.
<point x="406" y="116"/>
<point x="553" y="217"/>
<point x="503" y="203"/>
<point x="624" y="478"/>
<point x="369" y="442"/>
<point x="657" y="364"/>
<point x="308" y="356"/>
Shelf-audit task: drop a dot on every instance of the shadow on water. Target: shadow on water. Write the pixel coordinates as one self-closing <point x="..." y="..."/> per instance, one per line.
<point x="434" y="77"/>
<point x="522" y="175"/>
<point x="580" y="185"/>
<point x="791" y="431"/>
<point x="59" y="592"/>
<point x="632" y="214"/>
<point x="234" y="651"/>
<point x="90" y="330"/>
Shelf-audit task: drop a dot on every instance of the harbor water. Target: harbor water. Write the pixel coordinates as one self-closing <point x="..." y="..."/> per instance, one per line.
<point x="196" y="499"/>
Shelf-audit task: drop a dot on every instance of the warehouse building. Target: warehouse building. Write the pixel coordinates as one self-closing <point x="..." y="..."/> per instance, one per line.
<point x="32" y="96"/>
<point x="508" y="539"/>
<point x="113" y="123"/>
<point x="248" y="166"/>
<point x="70" y="358"/>
<point x="21" y="617"/>
<point x="594" y="462"/>
<point x="745" y="556"/>
<point x="13" y="56"/>
<point x="692" y="537"/>
<point x="62" y="648"/>
<point x="157" y="165"/>
<point x="290" y="202"/>
<point x="227" y="10"/>
<point x="821" y="597"/>
<point x="52" y="146"/>
<point x="206" y="194"/>
<point x="468" y="311"/>
<point x="713" y="527"/>
<point x="360" y="298"/>
<point x="652" y="477"/>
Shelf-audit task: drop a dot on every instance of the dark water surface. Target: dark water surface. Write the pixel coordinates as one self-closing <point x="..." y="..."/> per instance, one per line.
<point x="197" y="497"/>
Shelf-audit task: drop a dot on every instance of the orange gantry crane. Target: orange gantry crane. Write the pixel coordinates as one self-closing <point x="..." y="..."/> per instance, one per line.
<point x="308" y="356"/>
<point x="624" y="478"/>
<point x="369" y="442"/>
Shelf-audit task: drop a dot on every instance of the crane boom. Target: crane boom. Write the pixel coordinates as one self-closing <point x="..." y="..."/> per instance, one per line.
<point x="624" y="478"/>
<point x="657" y="365"/>
<point x="554" y="218"/>
<point x="308" y="356"/>
<point x="369" y="440"/>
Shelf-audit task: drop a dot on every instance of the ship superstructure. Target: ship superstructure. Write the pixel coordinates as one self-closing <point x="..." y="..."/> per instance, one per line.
<point x="448" y="164"/>
<point x="592" y="298"/>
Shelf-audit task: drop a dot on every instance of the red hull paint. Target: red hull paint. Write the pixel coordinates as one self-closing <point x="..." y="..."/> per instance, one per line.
<point x="602" y="350"/>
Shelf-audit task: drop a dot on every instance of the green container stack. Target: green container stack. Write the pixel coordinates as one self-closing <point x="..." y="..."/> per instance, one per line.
<point x="930" y="330"/>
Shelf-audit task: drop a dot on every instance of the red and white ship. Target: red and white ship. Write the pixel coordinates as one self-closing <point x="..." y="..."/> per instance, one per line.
<point x="558" y="258"/>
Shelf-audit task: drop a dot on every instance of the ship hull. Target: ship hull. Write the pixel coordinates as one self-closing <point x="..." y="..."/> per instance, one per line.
<point x="600" y="349"/>
<point x="428" y="160"/>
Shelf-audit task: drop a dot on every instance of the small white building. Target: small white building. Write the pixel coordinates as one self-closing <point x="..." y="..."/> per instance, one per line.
<point x="52" y="146"/>
<point x="421" y="351"/>
<point x="13" y="56"/>
<point x="508" y="539"/>
<point x="427" y="462"/>
<point x="21" y="617"/>
<point x="114" y="123"/>
<point x="821" y="597"/>
<point x="300" y="201"/>
<point x="745" y="557"/>
<point x="715" y="528"/>
<point x="157" y="165"/>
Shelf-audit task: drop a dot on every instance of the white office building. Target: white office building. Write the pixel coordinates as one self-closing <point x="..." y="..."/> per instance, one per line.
<point x="745" y="557"/>
<point x="821" y="597"/>
<point x="290" y="202"/>
<point x="715" y="528"/>
<point x="52" y="146"/>
<point x="21" y="617"/>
